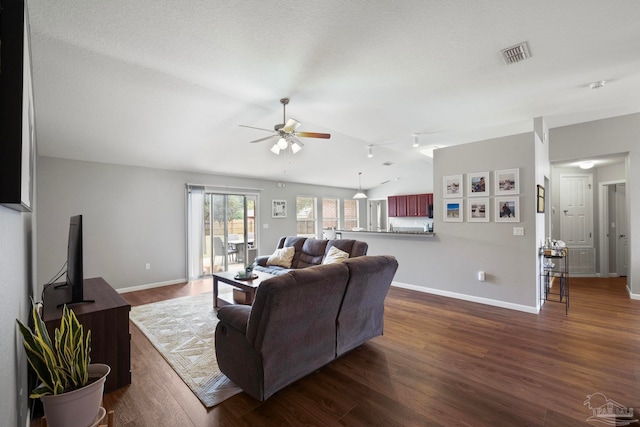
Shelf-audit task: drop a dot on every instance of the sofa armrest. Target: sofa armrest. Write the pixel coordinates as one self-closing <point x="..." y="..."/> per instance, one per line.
<point x="235" y="316"/>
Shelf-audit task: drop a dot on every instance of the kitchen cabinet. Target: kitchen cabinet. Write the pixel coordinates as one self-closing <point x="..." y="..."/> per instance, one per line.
<point x="411" y="205"/>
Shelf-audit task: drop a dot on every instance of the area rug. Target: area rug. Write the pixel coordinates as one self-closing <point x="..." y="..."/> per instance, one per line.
<point x="183" y="330"/>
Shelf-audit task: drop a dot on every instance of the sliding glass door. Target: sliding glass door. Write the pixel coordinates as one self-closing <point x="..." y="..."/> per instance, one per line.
<point x="222" y="231"/>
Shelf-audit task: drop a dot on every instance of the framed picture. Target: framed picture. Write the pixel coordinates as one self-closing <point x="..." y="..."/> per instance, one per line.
<point x="452" y="210"/>
<point x="278" y="209"/>
<point x="507" y="181"/>
<point x="452" y="186"/>
<point x="478" y="210"/>
<point x="507" y="209"/>
<point x="540" y="199"/>
<point x="478" y="184"/>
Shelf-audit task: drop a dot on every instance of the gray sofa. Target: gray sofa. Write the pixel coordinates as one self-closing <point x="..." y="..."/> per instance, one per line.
<point x="309" y="252"/>
<point x="300" y="321"/>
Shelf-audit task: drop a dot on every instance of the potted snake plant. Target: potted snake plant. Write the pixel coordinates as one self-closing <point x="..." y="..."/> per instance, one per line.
<point x="70" y="386"/>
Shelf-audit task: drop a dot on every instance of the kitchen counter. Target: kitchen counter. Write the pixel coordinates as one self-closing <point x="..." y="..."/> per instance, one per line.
<point x="390" y="233"/>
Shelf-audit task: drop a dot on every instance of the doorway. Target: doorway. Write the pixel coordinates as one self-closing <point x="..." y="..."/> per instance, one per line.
<point x="229" y="231"/>
<point x="614" y="250"/>
<point x="221" y="231"/>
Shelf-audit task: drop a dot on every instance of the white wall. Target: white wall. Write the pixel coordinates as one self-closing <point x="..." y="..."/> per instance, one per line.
<point x="15" y="281"/>
<point x="606" y="137"/>
<point x="133" y="216"/>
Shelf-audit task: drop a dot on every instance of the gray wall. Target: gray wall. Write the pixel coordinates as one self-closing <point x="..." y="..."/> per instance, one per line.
<point x="448" y="263"/>
<point x="133" y="216"/>
<point x="606" y="137"/>
<point x="15" y="281"/>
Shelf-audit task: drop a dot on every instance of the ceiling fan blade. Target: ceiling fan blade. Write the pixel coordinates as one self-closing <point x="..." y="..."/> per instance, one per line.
<point x="264" y="139"/>
<point x="313" y="135"/>
<point x="291" y="126"/>
<point x="253" y="127"/>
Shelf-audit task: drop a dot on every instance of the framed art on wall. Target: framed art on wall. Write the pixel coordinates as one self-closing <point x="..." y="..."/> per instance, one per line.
<point x="452" y="186"/>
<point x="278" y="209"/>
<point x="507" y="181"/>
<point x="478" y="210"/>
<point x="478" y="184"/>
<point x="540" y="199"/>
<point x="452" y="210"/>
<point x="507" y="209"/>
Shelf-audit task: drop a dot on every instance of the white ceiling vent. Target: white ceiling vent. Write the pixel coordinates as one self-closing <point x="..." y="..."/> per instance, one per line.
<point x="516" y="53"/>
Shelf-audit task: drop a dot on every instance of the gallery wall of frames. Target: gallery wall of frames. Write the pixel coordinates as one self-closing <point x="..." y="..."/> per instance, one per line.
<point x="469" y="196"/>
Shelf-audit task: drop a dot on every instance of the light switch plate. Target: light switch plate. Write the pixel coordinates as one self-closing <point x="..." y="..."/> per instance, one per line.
<point x="518" y="231"/>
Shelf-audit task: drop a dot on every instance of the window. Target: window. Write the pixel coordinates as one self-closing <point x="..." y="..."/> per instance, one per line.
<point x="350" y="214"/>
<point x="306" y="216"/>
<point x="330" y="214"/>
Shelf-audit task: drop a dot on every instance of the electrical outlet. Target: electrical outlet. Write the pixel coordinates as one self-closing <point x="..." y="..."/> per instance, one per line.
<point x="518" y="231"/>
<point x="147" y="266"/>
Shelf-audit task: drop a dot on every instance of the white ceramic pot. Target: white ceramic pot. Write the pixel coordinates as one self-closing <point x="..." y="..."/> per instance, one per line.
<point x="77" y="408"/>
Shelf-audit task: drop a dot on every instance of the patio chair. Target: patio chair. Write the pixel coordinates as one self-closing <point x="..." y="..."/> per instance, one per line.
<point x="222" y="250"/>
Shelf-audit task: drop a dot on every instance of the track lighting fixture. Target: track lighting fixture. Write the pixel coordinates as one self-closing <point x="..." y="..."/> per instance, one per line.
<point x="370" y="151"/>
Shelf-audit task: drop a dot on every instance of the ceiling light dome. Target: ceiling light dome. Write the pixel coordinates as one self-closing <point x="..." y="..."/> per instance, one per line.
<point x="586" y="165"/>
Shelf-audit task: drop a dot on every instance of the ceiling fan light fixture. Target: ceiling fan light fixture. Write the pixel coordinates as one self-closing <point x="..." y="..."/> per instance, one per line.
<point x="295" y="147"/>
<point x="282" y="143"/>
<point x="275" y="149"/>
<point x="359" y="194"/>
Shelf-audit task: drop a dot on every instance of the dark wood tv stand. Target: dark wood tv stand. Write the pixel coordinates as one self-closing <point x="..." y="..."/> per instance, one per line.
<point x="108" y="320"/>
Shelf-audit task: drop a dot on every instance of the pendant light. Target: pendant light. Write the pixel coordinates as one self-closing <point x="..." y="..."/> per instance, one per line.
<point x="359" y="194"/>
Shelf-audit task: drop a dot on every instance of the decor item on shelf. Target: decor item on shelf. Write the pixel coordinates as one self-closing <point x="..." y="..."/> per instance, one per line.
<point x="71" y="388"/>
<point x="359" y="194"/>
<point x="285" y="135"/>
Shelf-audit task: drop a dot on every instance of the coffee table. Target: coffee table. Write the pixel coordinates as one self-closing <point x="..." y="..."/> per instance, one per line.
<point x="248" y="286"/>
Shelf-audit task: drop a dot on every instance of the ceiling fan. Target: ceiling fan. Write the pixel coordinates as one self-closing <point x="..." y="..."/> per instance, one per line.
<point x="285" y="134"/>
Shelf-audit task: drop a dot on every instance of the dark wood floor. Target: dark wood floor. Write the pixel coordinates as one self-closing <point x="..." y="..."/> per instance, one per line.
<point x="441" y="361"/>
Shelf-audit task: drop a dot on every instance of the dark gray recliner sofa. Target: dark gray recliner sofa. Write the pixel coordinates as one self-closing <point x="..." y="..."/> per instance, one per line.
<point x="309" y="252"/>
<point x="302" y="320"/>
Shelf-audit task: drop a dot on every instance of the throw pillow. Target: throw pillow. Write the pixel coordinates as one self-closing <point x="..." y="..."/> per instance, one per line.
<point x="282" y="257"/>
<point x="335" y="256"/>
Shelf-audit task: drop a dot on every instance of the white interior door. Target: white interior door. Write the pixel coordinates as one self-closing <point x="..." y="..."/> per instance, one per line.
<point x="622" y="249"/>
<point x="576" y="222"/>
<point x="576" y="210"/>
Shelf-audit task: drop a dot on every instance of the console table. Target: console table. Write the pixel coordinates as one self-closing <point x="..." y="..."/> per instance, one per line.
<point x="108" y="320"/>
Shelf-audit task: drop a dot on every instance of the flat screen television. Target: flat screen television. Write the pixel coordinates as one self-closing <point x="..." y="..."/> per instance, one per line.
<point x="75" y="278"/>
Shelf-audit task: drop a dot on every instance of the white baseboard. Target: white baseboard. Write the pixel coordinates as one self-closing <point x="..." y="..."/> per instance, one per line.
<point x="471" y="298"/>
<point x="150" y="286"/>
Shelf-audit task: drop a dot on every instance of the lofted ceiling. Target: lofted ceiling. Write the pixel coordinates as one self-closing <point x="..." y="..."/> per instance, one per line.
<point x="166" y="84"/>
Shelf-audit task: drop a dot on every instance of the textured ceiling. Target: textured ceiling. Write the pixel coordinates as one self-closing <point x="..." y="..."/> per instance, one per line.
<point x="166" y="83"/>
